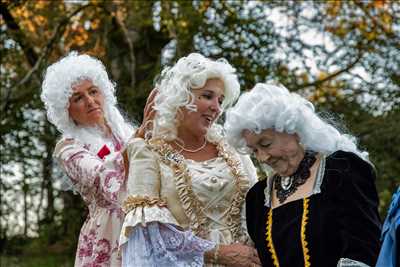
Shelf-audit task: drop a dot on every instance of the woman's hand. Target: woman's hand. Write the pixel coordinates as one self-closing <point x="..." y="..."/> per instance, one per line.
<point x="126" y="162"/>
<point x="148" y="115"/>
<point x="238" y="255"/>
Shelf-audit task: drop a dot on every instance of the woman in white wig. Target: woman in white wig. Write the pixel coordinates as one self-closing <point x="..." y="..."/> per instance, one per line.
<point x="319" y="205"/>
<point x="80" y="102"/>
<point x="186" y="186"/>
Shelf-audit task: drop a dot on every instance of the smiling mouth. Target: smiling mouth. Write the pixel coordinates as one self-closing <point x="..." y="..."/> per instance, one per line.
<point x="208" y="118"/>
<point x="95" y="109"/>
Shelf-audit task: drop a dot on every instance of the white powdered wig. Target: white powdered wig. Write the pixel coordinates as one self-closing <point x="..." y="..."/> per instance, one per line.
<point x="175" y="91"/>
<point x="57" y="86"/>
<point x="274" y="107"/>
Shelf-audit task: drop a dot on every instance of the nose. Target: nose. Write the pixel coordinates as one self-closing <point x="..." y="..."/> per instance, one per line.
<point x="89" y="101"/>
<point x="215" y="106"/>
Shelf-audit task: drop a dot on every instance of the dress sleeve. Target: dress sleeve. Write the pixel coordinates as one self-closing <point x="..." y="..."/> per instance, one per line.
<point x="143" y="203"/>
<point x="255" y="208"/>
<point x="250" y="169"/>
<point x="89" y="173"/>
<point x="358" y="206"/>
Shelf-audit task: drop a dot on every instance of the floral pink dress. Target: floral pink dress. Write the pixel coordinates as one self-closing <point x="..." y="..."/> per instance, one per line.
<point x="100" y="180"/>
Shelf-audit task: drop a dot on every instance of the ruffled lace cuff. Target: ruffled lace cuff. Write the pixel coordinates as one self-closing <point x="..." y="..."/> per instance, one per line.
<point x="143" y="210"/>
<point x="158" y="244"/>
<point x="345" y="262"/>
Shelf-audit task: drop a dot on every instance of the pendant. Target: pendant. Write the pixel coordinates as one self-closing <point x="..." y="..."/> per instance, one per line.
<point x="286" y="182"/>
<point x="176" y="158"/>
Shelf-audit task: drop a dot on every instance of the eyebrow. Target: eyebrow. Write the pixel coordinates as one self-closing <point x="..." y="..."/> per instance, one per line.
<point x="213" y="92"/>
<point x="91" y="87"/>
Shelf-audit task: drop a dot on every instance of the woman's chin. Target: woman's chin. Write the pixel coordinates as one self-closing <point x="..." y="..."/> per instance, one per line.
<point x="284" y="172"/>
<point x="202" y="131"/>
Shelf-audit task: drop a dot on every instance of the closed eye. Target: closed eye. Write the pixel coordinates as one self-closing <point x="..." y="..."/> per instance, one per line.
<point x="264" y="145"/>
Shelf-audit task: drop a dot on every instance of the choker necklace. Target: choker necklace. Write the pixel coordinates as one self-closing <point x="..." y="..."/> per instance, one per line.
<point x="286" y="186"/>
<point x="190" y="150"/>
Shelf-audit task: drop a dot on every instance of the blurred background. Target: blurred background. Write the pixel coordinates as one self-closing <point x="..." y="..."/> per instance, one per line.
<point x="342" y="55"/>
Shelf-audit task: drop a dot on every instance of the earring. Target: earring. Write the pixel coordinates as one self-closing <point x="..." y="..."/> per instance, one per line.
<point x="303" y="146"/>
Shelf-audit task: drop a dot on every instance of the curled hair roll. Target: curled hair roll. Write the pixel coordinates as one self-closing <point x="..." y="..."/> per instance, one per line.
<point x="274" y="107"/>
<point x="57" y="88"/>
<point x="175" y="88"/>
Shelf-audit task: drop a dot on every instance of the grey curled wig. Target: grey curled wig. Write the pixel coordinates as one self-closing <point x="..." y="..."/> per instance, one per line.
<point x="175" y="91"/>
<point x="274" y="107"/>
<point x="57" y="85"/>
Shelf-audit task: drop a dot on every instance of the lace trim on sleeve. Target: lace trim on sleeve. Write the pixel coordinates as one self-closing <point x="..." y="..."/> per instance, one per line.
<point x="143" y="216"/>
<point x="345" y="262"/>
<point x="160" y="244"/>
<point x="132" y="202"/>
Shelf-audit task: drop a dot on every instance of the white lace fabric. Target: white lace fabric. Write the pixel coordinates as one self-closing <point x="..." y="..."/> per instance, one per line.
<point x="142" y="216"/>
<point x="346" y="262"/>
<point x="158" y="244"/>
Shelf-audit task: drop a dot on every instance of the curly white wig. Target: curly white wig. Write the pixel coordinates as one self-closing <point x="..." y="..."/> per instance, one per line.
<point x="175" y="91"/>
<point x="274" y="107"/>
<point x="58" y="82"/>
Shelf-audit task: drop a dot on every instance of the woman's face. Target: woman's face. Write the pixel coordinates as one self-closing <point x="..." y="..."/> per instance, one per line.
<point x="86" y="104"/>
<point x="281" y="151"/>
<point x="208" y="100"/>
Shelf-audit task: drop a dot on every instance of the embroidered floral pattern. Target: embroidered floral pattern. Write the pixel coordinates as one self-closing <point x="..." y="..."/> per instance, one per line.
<point x="100" y="182"/>
<point x="86" y="244"/>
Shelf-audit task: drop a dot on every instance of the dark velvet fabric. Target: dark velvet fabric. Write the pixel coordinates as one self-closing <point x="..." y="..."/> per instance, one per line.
<point x="343" y="220"/>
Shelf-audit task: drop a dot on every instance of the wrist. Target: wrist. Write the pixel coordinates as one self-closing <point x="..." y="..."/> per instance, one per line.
<point x="213" y="255"/>
<point x="215" y="258"/>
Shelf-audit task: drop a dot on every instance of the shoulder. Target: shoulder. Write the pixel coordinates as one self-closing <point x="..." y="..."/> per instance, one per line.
<point x="257" y="191"/>
<point x="136" y="142"/>
<point x="66" y="143"/>
<point x="348" y="163"/>
<point x="347" y="171"/>
<point x="139" y="148"/>
<point x="244" y="158"/>
<point x="347" y="160"/>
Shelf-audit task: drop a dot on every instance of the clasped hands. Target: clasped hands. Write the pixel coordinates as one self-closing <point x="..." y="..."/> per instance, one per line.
<point x="238" y="255"/>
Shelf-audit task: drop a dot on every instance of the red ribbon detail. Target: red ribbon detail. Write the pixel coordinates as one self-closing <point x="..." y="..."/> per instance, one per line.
<point x="104" y="151"/>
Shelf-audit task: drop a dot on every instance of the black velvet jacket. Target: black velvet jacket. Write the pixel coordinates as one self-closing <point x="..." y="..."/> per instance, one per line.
<point x="340" y="222"/>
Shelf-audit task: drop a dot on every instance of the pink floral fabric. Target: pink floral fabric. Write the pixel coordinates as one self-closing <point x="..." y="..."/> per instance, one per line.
<point x="101" y="183"/>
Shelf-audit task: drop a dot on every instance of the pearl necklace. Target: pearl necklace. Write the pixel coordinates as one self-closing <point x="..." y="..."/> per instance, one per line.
<point x="190" y="150"/>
